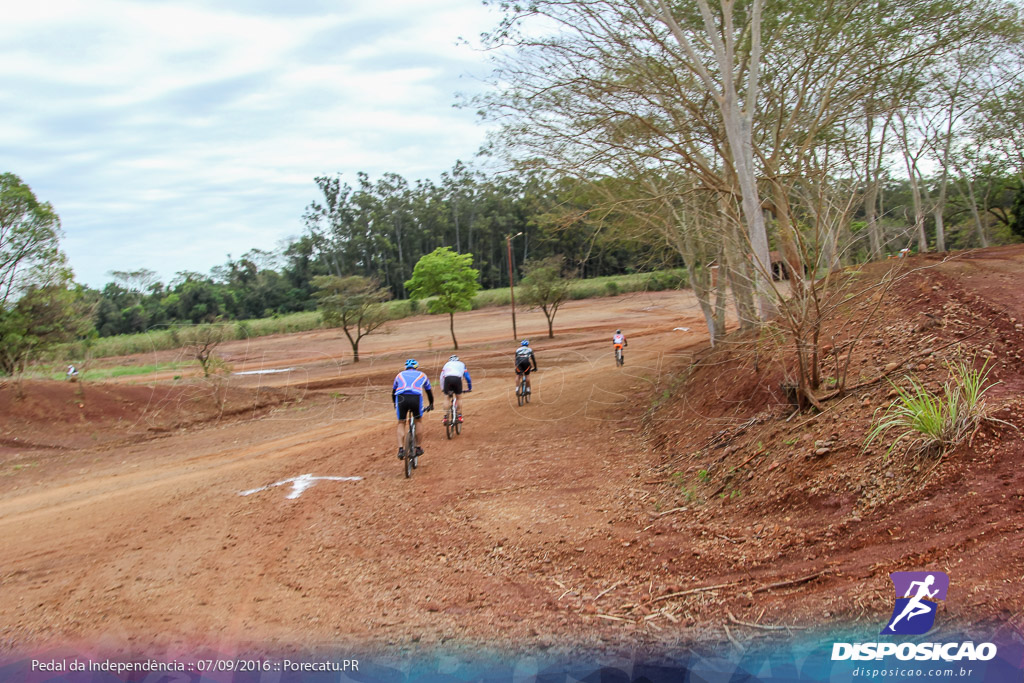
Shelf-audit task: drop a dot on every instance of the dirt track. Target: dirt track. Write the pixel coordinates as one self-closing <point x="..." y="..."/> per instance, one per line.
<point x="567" y="523"/>
<point x="147" y="544"/>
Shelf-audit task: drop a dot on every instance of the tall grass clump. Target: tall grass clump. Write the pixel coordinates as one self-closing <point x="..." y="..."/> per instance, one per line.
<point x="935" y="422"/>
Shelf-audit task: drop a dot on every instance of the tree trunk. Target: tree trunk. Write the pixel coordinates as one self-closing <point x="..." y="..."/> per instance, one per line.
<point x="974" y="212"/>
<point x="451" y="326"/>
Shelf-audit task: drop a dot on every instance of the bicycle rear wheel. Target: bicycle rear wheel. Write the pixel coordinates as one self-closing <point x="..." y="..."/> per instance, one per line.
<point x="520" y="397"/>
<point x="410" y="448"/>
<point x="449" y="422"/>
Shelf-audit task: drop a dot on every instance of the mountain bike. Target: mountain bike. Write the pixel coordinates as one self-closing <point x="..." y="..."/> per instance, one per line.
<point x="522" y="395"/>
<point x="410" y="444"/>
<point x="452" y="425"/>
<point x="618" y="355"/>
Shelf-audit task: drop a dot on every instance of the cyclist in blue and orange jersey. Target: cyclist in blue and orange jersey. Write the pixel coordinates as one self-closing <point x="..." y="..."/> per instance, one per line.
<point x="451" y="378"/>
<point x="524" y="360"/>
<point x="619" y="341"/>
<point x="407" y="393"/>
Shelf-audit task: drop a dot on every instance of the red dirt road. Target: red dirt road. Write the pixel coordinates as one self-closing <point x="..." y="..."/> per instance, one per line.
<point x="623" y="510"/>
<point x="143" y="543"/>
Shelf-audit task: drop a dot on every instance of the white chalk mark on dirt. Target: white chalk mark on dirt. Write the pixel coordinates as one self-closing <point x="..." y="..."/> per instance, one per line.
<point x="299" y="484"/>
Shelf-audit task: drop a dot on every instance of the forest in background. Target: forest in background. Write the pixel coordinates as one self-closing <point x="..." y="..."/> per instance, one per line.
<point x="637" y="134"/>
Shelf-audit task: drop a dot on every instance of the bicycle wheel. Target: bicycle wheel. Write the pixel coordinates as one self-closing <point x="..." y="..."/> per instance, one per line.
<point x="410" y="449"/>
<point x="618" y="356"/>
<point x="519" y="394"/>
<point x="415" y="458"/>
<point x="449" y="421"/>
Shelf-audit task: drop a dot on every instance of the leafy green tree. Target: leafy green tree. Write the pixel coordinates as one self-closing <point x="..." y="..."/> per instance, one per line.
<point x="29" y="234"/>
<point x="450" y="278"/>
<point x="352" y="303"/>
<point x="1018" y="213"/>
<point x="545" y="286"/>
<point x="45" y="315"/>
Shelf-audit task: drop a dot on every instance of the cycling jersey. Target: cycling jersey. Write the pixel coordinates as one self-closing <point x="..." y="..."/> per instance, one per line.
<point x="525" y="358"/>
<point x="408" y="389"/>
<point x="455" y="368"/>
<point x="619" y="339"/>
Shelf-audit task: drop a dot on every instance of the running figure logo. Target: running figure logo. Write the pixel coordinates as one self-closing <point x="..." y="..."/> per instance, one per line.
<point x="917" y="596"/>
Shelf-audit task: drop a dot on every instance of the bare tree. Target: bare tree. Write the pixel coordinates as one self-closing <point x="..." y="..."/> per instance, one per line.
<point x="352" y="303"/>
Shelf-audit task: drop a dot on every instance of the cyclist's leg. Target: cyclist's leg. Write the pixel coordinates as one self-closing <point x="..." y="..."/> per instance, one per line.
<point x="401" y="422"/>
<point x="419" y="427"/>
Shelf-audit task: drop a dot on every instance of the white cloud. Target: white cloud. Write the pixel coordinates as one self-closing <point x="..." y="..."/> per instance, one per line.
<point x="168" y="134"/>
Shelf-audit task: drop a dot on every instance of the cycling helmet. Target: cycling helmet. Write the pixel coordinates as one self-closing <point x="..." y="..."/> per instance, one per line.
<point x="525" y="342"/>
<point x="453" y="358"/>
<point x="618" y="331"/>
<point x="411" y="364"/>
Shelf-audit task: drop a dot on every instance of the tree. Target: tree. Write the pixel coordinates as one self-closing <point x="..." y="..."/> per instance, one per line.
<point x="449" y="277"/>
<point x="200" y="341"/>
<point x="45" y="315"/>
<point x="29" y="233"/>
<point x="545" y="286"/>
<point x="352" y="303"/>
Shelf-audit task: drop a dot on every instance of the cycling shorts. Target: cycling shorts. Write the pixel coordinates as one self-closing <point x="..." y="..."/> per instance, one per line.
<point x="523" y="368"/>
<point x="618" y="346"/>
<point x="452" y="385"/>
<point x="409" y="403"/>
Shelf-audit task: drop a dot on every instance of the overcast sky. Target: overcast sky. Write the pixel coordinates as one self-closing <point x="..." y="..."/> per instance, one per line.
<point x="170" y="133"/>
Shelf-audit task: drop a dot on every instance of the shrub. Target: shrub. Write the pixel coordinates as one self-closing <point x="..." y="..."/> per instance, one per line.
<point x="934" y="423"/>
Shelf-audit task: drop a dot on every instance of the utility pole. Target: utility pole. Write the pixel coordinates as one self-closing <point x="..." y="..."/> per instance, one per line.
<point x="511" y="290"/>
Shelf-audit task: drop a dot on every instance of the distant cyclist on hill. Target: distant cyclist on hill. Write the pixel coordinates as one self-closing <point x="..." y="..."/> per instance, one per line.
<point x="619" y="342"/>
<point x="451" y="378"/>
<point x="407" y="393"/>
<point x="524" y="360"/>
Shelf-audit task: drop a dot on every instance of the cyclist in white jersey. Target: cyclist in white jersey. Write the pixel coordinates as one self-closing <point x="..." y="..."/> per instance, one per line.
<point x="452" y="374"/>
<point x="619" y="341"/>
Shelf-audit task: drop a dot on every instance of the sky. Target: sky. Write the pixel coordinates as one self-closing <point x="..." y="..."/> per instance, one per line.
<point x="168" y="134"/>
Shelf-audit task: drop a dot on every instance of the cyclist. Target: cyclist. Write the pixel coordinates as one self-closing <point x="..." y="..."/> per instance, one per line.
<point x="407" y="394"/>
<point x="619" y="341"/>
<point x="524" y="360"/>
<point x="451" y="384"/>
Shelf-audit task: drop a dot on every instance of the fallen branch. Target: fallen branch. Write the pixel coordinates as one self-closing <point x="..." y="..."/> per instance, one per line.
<point x="607" y="590"/>
<point x="792" y="582"/>
<point x="762" y="626"/>
<point x="736" y="643"/>
<point x="691" y="591"/>
<point x="610" y="617"/>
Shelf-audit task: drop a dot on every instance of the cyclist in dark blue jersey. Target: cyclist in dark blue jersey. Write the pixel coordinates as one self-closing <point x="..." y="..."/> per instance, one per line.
<point x="526" y="362"/>
<point x="407" y="393"/>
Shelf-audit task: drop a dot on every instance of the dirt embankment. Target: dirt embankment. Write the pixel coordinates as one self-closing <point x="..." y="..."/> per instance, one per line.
<point x="650" y="506"/>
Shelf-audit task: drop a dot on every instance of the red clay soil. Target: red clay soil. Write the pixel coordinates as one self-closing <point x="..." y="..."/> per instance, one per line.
<point x="600" y="517"/>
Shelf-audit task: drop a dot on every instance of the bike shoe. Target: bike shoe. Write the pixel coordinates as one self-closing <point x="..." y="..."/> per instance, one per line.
<point x="401" y="454"/>
<point x="459" y="418"/>
<point x="419" y="451"/>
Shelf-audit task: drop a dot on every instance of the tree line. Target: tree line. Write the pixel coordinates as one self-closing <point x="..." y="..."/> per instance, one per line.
<point x="730" y="130"/>
<point x="737" y="139"/>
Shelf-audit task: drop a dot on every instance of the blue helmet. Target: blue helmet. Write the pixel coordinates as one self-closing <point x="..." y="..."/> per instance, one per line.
<point x="525" y="342"/>
<point x="411" y="364"/>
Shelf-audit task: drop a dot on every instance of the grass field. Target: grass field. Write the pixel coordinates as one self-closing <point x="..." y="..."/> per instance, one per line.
<point x="161" y="339"/>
